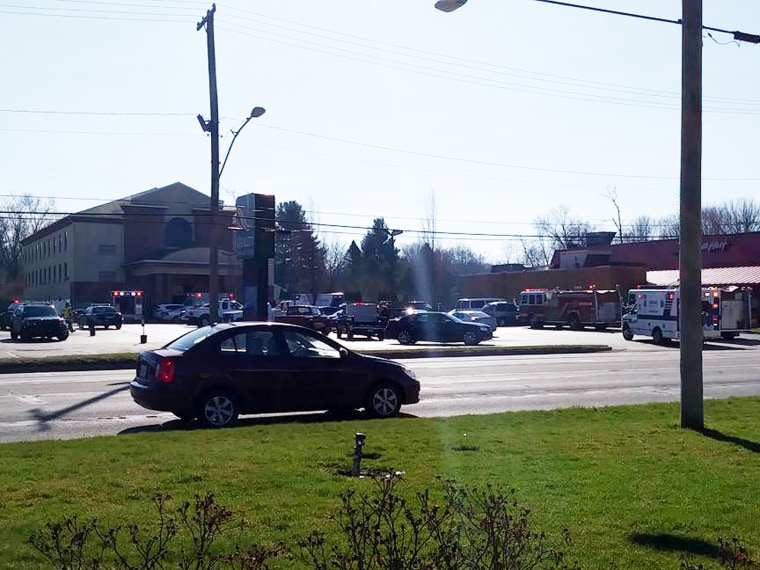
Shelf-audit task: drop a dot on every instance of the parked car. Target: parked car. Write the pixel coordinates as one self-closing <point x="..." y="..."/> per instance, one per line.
<point x="436" y="327"/>
<point x="413" y="306"/>
<point x="215" y="373"/>
<point x="37" y="320"/>
<point x="168" y="312"/>
<point x="100" y="316"/>
<point x="475" y="303"/>
<point x="475" y="317"/>
<point x="504" y="312"/>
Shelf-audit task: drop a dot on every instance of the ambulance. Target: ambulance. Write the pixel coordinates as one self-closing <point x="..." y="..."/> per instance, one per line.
<point x="654" y="313"/>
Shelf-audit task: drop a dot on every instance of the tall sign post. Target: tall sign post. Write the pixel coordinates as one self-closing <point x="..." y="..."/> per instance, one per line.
<point x="254" y="245"/>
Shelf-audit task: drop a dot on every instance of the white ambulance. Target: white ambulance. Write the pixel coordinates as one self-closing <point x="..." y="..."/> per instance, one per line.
<point x="654" y="313"/>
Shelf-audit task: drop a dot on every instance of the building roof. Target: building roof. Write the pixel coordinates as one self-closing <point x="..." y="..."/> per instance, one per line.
<point x="748" y="275"/>
<point x="730" y="250"/>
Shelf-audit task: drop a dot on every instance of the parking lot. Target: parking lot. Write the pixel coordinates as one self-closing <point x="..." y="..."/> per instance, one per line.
<point x="128" y="340"/>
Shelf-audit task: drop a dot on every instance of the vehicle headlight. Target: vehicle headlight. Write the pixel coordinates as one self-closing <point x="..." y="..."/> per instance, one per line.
<point x="409" y="372"/>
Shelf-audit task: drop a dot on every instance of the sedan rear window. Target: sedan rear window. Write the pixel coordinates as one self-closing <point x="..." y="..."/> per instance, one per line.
<point x="189" y="340"/>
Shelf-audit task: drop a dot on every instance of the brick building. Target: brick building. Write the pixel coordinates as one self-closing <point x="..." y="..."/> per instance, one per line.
<point x="156" y="241"/>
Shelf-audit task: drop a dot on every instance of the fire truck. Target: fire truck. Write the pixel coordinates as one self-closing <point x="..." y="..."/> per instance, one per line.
<point x="129" y="303"/>
<point x="655" y="313"/>
<point x="574" y="308"/>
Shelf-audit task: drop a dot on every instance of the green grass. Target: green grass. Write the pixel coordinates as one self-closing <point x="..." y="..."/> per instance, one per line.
<point x="629" y="484"/>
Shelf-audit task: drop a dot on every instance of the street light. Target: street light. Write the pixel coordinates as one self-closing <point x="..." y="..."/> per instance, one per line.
<point x="449" y="5"/>
<point x="212" y="127"/>
<point x="256" y="112"/>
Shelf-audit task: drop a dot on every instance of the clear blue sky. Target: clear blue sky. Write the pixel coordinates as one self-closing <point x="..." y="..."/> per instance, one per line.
<point x="502" y="110"/>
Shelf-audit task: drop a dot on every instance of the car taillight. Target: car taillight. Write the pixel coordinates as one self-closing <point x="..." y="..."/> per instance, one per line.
<point x="165" y="370"/>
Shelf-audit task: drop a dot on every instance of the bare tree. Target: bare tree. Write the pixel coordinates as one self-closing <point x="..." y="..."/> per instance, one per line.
<point x="22" y="217"/>
<point x="713" y="220"/>
<point x="561" y="230"/>
<point x="670" y="226"/>
<point x="536" y="252"/>
<point x="741" y="216"/>
<point x="642" y="229"/>
<point x="335" y="261"/>
<point x="618" y="219"/>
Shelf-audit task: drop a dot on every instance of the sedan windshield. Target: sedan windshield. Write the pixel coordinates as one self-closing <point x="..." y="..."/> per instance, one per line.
<point x="40" y="312"/>
<point x="189" y="340"/>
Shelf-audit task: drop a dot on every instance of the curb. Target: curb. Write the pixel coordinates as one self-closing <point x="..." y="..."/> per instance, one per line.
<point x="89" y="362"/>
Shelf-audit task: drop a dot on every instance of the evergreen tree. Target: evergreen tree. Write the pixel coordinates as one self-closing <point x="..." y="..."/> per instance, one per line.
<point x="299" y="256"/>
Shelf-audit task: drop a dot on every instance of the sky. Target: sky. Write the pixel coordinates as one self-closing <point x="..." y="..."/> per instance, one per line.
<point x="482" y="119"/>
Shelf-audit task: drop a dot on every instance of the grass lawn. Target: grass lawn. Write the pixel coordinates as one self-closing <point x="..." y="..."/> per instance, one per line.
<point x="628" y="483"/>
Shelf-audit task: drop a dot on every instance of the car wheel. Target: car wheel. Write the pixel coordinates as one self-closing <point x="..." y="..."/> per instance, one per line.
<point x="118" y="327"/>
<point x="728" y="335"/>
<point x="471" y="338"/>
<point x="534" y="322"/>
<point x="25" y="337"/>
<point x="575" y="322"/>
<point x="105" y="327"/>
<point x="218" y="409"/>
<point x="404" y="337"/>
<point x="657" y="335"/>
<point x="63" y="335"/>
<point x="380" y="336"/>
<point x="14" y="336"/>
<point x="339" y="332"/>
<point x="203" y="321"/>
<point x="627" y="334"/>
<point x="384" y="400"/>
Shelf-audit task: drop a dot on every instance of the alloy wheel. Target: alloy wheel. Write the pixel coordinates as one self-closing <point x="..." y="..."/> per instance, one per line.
<point x="219" y="410"/>
<point x="385" y="401"/>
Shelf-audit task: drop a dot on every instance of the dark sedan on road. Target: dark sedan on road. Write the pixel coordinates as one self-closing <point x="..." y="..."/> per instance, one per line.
<point x="436" y="327"/>
<point x="37" y="320"/>
<point x="100" y="316"/>
<point x="215" y="373"/>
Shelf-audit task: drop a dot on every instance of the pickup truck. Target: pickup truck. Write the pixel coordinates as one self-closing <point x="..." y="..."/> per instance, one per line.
<point x="361" y="319"/>
<point x="200" y="315"/>
<point x="306" y="316"/>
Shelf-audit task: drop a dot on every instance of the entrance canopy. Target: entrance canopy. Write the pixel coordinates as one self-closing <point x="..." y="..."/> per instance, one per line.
<point x="749" y="275"/>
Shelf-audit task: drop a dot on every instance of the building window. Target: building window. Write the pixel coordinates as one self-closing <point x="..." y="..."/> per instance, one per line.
<point x="178" y="233"/>
<point x="65" y="271"/>
<point x="106" y="249"/>
<point x="106" y="276"/>
<point x="65" y="241"/>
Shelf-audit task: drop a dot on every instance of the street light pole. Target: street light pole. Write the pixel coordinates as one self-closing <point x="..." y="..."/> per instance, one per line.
<point x="213" y="129"/>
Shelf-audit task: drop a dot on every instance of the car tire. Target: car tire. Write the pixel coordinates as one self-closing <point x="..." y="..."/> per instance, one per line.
<point x="657" y="335"/>
<point x="203" y="321"/>
<point x="118" y="327"/>
<point x="24" y="337"/>
<point x="218" y="409"/>
<point x="534" y="322"/>
<point x="105" y="327"/>
<point x="381" y="336"/>
<point x="63" y="335"/>
<point x="627" y="334"/>
<point x="384" y="400"/>
<point x="575" y="322"/>
<point x="14" y="336"/>
<point x="471" y="338"/>
<point x="404" y="337"/>
<point x="728" y="335"/>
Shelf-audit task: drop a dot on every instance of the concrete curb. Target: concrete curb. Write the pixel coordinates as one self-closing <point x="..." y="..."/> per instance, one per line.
<point x="92" y="362"/>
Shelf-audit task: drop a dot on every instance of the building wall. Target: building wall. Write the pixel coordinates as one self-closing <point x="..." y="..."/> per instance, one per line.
<point x="48" y="265"/>
<point x="509" y="284"/>
<point x="98" y="252"/>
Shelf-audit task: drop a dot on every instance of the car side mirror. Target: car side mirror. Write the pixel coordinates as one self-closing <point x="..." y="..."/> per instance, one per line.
<point x="343" y="352"/>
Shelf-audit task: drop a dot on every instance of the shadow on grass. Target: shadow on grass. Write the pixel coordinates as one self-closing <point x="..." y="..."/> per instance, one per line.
<point x="673" y="543"/>
<point x="300" y="418"/>
<point x="747" y="444"/>
<point x="44" y="418"/>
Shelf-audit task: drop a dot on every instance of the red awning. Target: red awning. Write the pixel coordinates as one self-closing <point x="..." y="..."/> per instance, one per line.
<point x="711" y="276"/>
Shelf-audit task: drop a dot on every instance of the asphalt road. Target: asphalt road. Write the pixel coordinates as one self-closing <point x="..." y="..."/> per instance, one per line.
<point x="81" y="404"/>
<point x="128" y="340"/>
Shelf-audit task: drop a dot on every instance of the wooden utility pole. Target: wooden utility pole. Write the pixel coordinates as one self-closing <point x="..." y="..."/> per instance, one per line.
<point x="690" y="250"/>
<point x="213" y="261"/>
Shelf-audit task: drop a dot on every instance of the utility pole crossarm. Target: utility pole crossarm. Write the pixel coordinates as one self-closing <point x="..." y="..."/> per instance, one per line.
<point x="209" y="16"/>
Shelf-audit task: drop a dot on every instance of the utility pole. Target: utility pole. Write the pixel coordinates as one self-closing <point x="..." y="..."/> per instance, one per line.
<point x="213" y="127"/>
<point x="690" y="251"/>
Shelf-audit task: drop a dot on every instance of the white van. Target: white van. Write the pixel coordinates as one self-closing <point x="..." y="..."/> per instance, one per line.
<point x="475" y="303"/>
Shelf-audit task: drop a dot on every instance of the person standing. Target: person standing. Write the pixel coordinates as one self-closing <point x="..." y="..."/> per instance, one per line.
<point x="67" y="316"/>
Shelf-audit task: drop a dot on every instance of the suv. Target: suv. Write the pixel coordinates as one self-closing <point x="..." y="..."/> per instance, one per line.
<point x="504" y="312"/>
<point x="38" y="320"/>
<point x="100" y="316"/>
